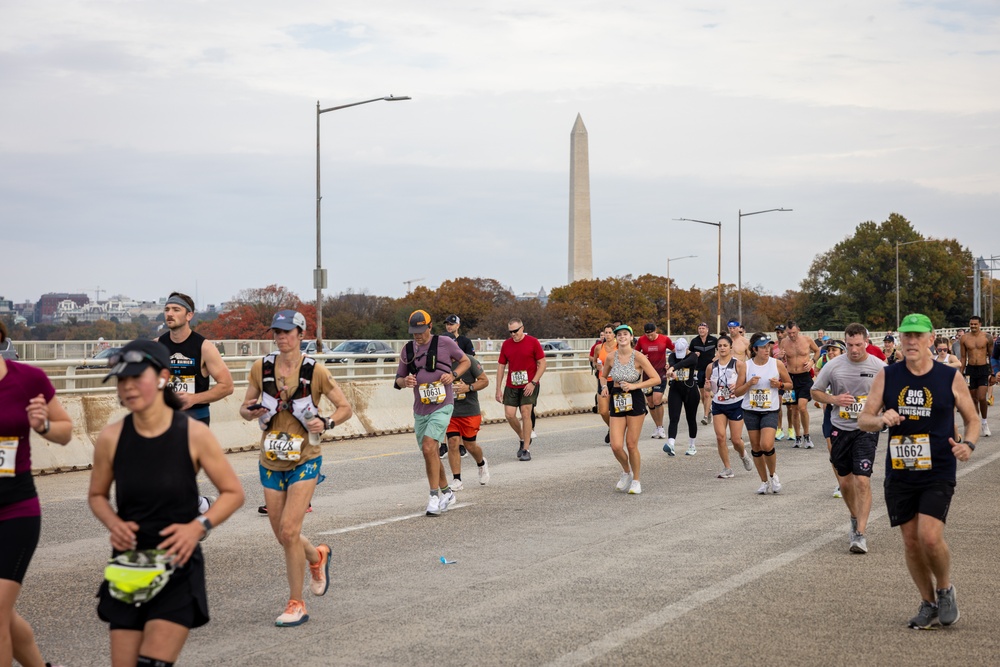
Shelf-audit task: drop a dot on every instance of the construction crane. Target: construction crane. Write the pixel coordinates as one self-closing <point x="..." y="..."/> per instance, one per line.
<point x="97" y="292"/>
<point x="409" y="284"/>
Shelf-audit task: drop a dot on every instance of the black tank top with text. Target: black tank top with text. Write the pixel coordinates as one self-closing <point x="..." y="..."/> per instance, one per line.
<point x="927" y="405"/>
<point x="185" y="365"/>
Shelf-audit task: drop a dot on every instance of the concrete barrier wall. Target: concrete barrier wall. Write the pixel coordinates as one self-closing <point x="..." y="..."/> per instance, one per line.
<point x="378" y="409"/>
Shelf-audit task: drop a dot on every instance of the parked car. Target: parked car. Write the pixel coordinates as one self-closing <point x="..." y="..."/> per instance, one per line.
<point x="557" y="348"/>
<point x="362" y="347"/>
<point x="102" y="358"/>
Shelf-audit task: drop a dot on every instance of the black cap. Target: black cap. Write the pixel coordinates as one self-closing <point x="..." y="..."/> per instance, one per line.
<point x="452" y="319"/>
<point x="779" y="327"/>
<point x="887" y="338"/>
<point x="136" y="356"/>
<point x="650" y="327"/>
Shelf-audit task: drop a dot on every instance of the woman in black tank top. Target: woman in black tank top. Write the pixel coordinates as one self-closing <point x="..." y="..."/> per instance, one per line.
<point x="153" y="456"/>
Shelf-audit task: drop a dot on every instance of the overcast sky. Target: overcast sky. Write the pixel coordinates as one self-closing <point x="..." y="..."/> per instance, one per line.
<point x="153" y="146"/>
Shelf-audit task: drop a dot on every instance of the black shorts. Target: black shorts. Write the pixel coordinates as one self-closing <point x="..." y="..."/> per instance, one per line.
<point x="979" y="376"/>
<point x="905" y="500"/>
<point x="802" y="384"/>
<point x="853" y="452"/>
<point x="19" y="538"/>
<point x="182" y="601"/>
<point x="758" y="420"/>
<point x="701" y="377"/>
<point x="827" y="423"/>
<point x="638" y="403"/>
<point x="515" y="396"/>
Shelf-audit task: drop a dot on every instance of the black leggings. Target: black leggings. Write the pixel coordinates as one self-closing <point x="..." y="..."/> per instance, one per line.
<point x="681" y="394"/>
<point x="19" y="538"/>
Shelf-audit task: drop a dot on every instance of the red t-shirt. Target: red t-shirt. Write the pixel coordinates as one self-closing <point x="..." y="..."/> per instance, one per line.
<point x="521" y="359"/>
<point x="875" y="352"/>
<point x="656" y="351"/>
<point x="21" y="384"/>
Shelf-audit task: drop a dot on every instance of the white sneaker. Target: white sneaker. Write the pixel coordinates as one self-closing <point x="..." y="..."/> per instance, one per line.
<point x="533" y="434"/>
<point x="985" y="430"/>
<point x="775" y="484"/>
<point x="434" y="506"/>
<point x="747" y="460"/>
<point x="624" y="482"/>
<point x="727" y="473"/>
<point x="635" y="488"/>
<point x="837" y="493"/>
<point x="659" y="433"/>
<point x="691" y="451"/>
<point x="446" y="499"/>
<point x="456" y="485"/>
<point x="765" y="487"/>
<point x="484" y="473"/>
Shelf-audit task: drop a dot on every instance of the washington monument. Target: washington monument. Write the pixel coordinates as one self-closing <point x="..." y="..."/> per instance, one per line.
<point x="581" y="262"/>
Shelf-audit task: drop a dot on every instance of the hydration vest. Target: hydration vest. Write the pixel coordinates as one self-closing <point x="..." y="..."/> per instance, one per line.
<point x="299" y="403"/>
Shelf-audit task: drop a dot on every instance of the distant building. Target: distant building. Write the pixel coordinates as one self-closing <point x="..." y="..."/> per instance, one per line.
<point x="68" y="311"/>
<point x="48" y="304"/>
<point x="540" y="295"/>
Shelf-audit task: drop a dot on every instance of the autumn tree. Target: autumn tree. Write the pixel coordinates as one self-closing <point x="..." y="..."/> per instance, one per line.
<point x="251" y="312"/>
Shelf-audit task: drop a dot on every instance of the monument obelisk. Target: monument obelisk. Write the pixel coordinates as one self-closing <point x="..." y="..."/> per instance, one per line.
<point x="581" y="262"/>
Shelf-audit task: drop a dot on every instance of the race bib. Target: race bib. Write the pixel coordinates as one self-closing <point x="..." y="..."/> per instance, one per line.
<point x="623" y="403"/>
<point x="282" y="446"/>
<point x="788" y="397"/>
<point x="432" y="393"/>
<point x="519" y="378"/>
<point x="647" y="390"/>
<point x="724" y="393"/>
<point x="760" y="399"/>
<point x="181" y="383"/>
<point x="854" y="409"/>
<point x="8" y="455"/>
<point x="910" y="452"/>
<point x="683" y="374"/>
<point x="460" y="397"/>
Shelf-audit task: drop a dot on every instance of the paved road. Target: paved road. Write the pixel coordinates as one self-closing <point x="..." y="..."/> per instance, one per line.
<point x="553" y="567"/>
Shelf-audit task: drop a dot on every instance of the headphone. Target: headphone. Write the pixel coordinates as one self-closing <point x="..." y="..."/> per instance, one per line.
<point x="162" y="384"/>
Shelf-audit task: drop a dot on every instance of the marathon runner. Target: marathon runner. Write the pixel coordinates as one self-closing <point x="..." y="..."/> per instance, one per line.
<point x="976" y="347"/>
<point x="465" y="422"/>
<point x="655" y="346"/>
<point x="725" y="374"/>
<point x="801" y="354"/>
<point x="703" y="346"/>
<point x="682" y="368"/>
<point x="761" y="407"/>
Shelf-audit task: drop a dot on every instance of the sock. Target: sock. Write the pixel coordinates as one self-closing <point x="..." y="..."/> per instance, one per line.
<point x="434" y="492"/>
<point x="446" y="489"/>
<point x="691" y="441"/>
<point x="481" y="463"/>
<point x="142" y="660"/>
<point x="458" y="477"/>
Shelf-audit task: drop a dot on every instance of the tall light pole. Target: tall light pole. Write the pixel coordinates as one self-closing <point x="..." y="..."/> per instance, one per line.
<point x="672" y="259"/>
<point x="739" y="255"/>
<point x="898" y="244"/>
<point x="718" y="289"/>
<point x="319" y="275"/>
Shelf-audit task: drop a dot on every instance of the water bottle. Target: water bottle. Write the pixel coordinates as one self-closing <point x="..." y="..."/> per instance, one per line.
<point x="309" y="414"/>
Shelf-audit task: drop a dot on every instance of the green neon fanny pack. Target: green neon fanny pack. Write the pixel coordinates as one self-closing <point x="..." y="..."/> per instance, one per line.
<point x="135" y="577"/>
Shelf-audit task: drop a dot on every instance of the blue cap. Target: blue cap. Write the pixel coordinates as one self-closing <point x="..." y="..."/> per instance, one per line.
<point x="286" y="320"/>
<point x="733" y="323"/>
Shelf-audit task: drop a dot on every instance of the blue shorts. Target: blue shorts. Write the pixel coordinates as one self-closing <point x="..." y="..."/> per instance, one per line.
<point x="281" y="480"/>
<point x="733" y="411"/>
<point x="433" y="426"/>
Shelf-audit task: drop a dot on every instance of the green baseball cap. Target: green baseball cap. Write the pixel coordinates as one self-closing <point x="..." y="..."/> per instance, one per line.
<point x="916" y="323"/>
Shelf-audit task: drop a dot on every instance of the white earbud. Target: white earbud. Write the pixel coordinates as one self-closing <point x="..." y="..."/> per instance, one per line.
<point x="163" y="383"/>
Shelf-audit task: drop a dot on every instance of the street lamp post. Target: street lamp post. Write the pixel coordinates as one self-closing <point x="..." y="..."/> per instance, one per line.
<point x="672" y="259"/>
<point x="319" y="275"/>
<point x="739" y="255"/>
<point x="898" y="244"/>
<point x="718" y="289"/>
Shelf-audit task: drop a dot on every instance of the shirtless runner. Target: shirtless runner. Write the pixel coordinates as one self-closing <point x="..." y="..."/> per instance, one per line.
<point x="801" y="354"/>
<point x="741" y="346"/>
<point x="976" y="346"/>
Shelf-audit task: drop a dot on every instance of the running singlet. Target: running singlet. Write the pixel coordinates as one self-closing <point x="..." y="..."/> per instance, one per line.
<point x="762" y="397"/>
<point x="918" y="449"/>
<point x="720" y="381"/>
<point x="185" y="369"/>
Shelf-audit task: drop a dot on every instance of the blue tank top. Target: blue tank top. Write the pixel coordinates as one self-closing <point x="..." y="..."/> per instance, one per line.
<point x="927" y="405"/>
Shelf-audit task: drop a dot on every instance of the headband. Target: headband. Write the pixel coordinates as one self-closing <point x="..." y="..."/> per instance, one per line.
<point x="176" y="300"/>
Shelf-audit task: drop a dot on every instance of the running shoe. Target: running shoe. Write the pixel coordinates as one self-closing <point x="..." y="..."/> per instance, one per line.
<point x="859" y="545"/>
<point x="520" y="450"/>
<point x="837" y="493"/>
<point x="779" y="434"/>
<point x="791" y="433"/>
<point x="295" y="614"/>
<point x="607" y="437"/>
<point x="989" y="400"/>
<point x="262" y="509"/>
<point x="747" y="460"/>
<point x="624" y="482"/>
<point x="775" y="484"/>
<point x="462" y="451"/>
<point x="659" y="433"/>
<point x="525" y="456"/>
<point x="434" y="506"/>
<point x="798" y="442"/>
<point x="807" y="442"/>
<point x="704" y="420"/>
<point x="533" y="434"/>
<point x="446" y="498"/>
<point x="727" y="473"/>
<point x="205" y="503"/>
<point x="443" y="450"/>
<point x="320" y="572"/>
<point x="926" y="616"/>
<point x="765" y="487"/>
<point x="668" y="447"/>
<point x="456" y="485"/>
<point x="691" y="450"/>
<point x="947" y="607"/>
<point x="985" y="430"/>
<point x="484" y="473"/>
<point x="635" y="488"/>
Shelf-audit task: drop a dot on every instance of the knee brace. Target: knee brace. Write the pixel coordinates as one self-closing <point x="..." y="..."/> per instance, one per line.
<point x="757" y="455"/>
<point x="143" y="661"/>
<point x="769" y="452"/>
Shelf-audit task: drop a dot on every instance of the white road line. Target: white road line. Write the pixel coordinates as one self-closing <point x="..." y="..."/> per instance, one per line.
<point x="383" y="522"/>
<point x="671" y="612"/>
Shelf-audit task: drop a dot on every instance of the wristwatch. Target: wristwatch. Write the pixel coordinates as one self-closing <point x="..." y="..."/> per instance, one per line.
<point x="206" y="523"/>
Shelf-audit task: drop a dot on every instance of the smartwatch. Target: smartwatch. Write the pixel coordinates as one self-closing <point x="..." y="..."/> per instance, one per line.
<point x="206" y="523"/>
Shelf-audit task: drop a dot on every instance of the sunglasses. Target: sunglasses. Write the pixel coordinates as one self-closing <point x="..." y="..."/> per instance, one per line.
<point x="514" y="331"/>
<point x="118" y="362"/>
<point x="944" y="349"/>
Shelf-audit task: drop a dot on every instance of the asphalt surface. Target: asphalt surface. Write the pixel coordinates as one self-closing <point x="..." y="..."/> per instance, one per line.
<point x="553" y="566"/>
